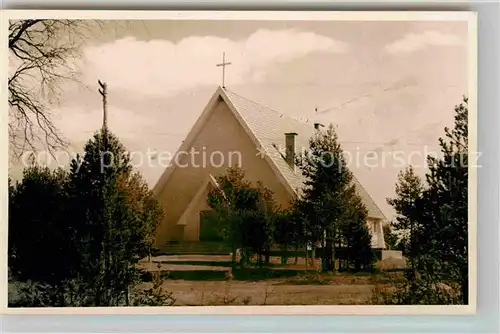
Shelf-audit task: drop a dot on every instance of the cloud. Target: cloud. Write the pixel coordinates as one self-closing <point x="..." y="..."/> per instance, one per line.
<point x="84" y="122"/>
<point x="414" y="42"/>
<point x="160" y="67"/>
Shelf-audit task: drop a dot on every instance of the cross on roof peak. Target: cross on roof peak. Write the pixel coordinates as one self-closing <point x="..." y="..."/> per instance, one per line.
<point x="223" y="65"/>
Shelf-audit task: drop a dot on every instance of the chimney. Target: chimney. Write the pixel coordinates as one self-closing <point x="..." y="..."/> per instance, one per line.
<point x="318" y="125"/>
<point x="290" y="149"/>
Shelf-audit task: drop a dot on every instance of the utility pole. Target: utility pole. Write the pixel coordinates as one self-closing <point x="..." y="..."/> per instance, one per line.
<point x="104" y="93"/>
<point x="104" y="159"/>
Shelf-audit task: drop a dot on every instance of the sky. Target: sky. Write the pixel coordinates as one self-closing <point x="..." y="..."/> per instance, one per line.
<point x="387" y="86"/>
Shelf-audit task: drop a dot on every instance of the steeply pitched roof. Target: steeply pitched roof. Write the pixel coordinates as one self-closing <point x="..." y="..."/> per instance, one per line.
<point x="267" y="128"/>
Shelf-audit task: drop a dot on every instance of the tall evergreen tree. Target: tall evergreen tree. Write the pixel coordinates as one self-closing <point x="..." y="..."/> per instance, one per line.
<point x="444" y="208"/>
<point x="355" y="237"/>
<point x="441" y="216"/>
<point x="113" y="219"/>
<point x="409" y="190"/>
<point x="329" y="199"/>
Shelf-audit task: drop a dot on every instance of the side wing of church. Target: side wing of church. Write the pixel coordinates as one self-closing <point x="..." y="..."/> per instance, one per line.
<point x="235" y="131"/>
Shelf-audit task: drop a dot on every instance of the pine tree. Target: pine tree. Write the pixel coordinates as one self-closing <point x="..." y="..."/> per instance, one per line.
<point x="75" y="238"/>
<point x="444" y="208"/>
<point x="329" y="200"/>
<point x="354" y="232"/>
<point x="409" y="190"/>
<point x="113" y="219"/>
<point x="441" y="216"/>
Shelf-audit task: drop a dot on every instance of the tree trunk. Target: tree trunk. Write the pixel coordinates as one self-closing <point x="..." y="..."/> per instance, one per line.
<point x="348" y="253"/>
<point x="284" y="255"/>
<point x="267" y="251"/>
<point x="313" y="254"/>
<point x="329" y="254"/>
<point x="243" y="257"/>
<point x="412" y="248"/>
<point x="465" y="291"/>
<point x="306" y="257"/>
<point x="333" y="259"/>
<point x="333" y="250"/>
<point x="340" y="257"/>
<point x="233" y="255"/>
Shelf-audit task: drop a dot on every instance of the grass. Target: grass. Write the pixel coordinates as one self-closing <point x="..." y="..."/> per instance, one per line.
<point x="261" y="274"/>
<point x="200" y="263"/>
<point x="307" y="280"/>
<point x="194" y="275"/>
<point x="289" y="276"/>
<point x="215" y="263"/>
<point x="247" y="274"/>
<point x="351" y="277"/>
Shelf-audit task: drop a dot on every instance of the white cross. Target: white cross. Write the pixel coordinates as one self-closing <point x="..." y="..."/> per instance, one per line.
<point x="223" y="64"/>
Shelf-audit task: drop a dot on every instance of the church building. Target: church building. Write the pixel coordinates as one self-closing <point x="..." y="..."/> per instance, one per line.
<point x="233" y="130"/>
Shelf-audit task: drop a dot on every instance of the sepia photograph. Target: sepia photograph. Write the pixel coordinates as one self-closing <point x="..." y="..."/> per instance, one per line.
<point x="232" y="159"/>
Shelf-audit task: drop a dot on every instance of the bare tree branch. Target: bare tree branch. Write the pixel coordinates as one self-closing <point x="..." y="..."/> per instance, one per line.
<point x="42" y="58"/>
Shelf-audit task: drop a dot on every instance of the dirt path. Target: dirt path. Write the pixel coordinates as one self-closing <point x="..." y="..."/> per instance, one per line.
<point x="268" y="292"/>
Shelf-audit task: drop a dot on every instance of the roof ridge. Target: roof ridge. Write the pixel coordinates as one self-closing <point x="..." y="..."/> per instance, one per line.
<point x="266" y="107"/>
